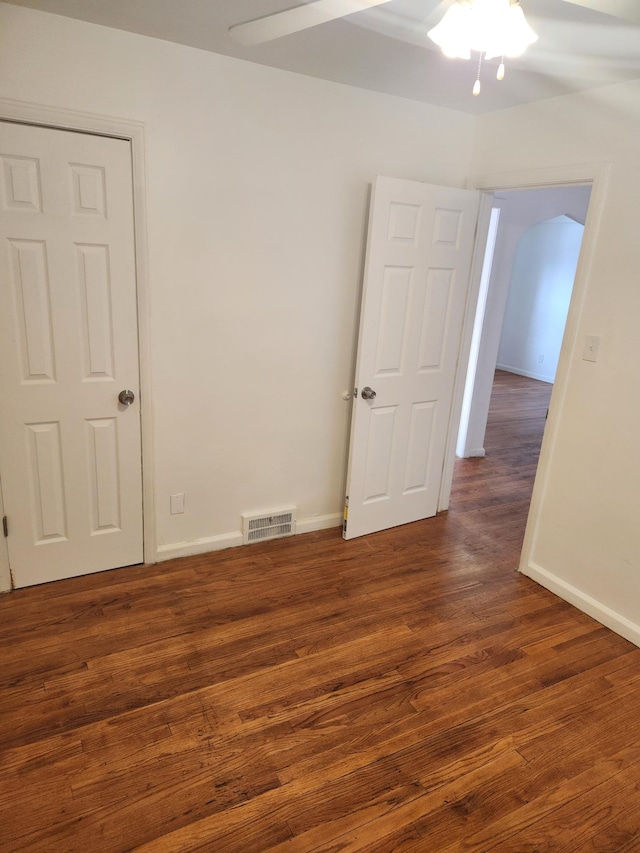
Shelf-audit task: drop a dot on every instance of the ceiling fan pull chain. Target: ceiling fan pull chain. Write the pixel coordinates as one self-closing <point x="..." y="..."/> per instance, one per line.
<point x="476" y="87"/>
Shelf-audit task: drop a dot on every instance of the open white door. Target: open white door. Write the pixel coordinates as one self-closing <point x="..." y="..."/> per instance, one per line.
<point x="419" y="254"/>
<point x="70" y="450"/>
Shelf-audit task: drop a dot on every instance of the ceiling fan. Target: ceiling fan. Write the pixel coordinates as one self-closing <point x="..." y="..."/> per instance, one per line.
<point x="311" y="14"/>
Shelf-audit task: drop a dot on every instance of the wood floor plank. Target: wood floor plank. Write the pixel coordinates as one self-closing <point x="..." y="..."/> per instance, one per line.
<point x="569" y="814"/>
<point x="405" y="692"/>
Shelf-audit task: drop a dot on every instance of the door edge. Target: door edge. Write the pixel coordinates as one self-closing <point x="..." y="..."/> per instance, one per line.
<point x="6" y="583"/>
<point x="475" y="275"/>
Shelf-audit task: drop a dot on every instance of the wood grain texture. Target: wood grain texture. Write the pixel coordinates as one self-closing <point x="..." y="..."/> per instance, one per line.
<point x="407" y="692"/>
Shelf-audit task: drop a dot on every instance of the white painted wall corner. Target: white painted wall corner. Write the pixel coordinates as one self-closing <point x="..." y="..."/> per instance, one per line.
<point x="600" y="612"/>
<point x="530" y="374"/>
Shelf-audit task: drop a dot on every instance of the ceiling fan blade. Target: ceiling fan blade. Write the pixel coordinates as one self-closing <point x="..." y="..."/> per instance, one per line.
<point x="628" y="10"/>
<point x="299" y="18"/>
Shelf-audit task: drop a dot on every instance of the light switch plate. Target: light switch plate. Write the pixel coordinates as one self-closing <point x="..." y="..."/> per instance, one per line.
<point x="176" y="503"/>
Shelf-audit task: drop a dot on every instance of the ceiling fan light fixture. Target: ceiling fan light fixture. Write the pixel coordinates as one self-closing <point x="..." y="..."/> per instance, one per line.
<point x="453" y="33"/>
<point x="490" y="27"/>
<point x="511" y="36"/>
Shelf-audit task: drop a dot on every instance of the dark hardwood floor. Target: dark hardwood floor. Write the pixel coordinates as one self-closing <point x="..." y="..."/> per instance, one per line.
<point x="407" y="692"/>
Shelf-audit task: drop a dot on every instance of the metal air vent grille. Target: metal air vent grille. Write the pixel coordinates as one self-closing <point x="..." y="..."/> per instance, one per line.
<point x="272" y="525"/>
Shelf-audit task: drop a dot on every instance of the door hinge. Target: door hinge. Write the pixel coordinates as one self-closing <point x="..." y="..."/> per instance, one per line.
<point x="5" y="525"/>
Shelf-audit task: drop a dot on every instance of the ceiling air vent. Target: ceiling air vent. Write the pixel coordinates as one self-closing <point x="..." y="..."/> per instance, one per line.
<point x="271" y="525"/>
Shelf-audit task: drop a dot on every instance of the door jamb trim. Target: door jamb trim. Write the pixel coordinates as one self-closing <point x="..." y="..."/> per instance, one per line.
<point x="23" y="112"/>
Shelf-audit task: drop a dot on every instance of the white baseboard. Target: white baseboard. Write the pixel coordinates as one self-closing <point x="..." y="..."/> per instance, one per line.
<point x="600" y="612"/>
<point x="319" y="522"/>
<point x="474" y="453"/>
<point x="198" y="546"/>
<point x="232" y="540"/>
<point x="541" y="377"/>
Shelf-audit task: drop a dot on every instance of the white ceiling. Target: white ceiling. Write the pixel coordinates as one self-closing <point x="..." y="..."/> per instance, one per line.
<point x="386" y="49"/>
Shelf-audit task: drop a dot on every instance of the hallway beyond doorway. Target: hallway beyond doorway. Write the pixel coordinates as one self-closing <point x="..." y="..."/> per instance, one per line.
<point x="496" y="489"/>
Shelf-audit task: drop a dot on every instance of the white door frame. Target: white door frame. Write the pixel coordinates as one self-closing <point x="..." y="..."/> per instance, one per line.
<point x="596" y="174"/>
<point x="134" y="133"/>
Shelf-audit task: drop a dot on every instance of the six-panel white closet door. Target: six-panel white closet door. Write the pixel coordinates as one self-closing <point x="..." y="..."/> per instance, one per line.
<point x="70" y="451"/>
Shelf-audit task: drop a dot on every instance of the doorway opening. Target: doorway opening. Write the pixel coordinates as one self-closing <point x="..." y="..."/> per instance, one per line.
<point x="529" y="270"/>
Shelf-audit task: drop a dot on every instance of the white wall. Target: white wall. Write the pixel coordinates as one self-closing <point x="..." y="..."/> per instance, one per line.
<point x="257" y="197"/>
<point x="519" y="210"/>
<point x="539" y="294"/>
<point x="582" y="539"/>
